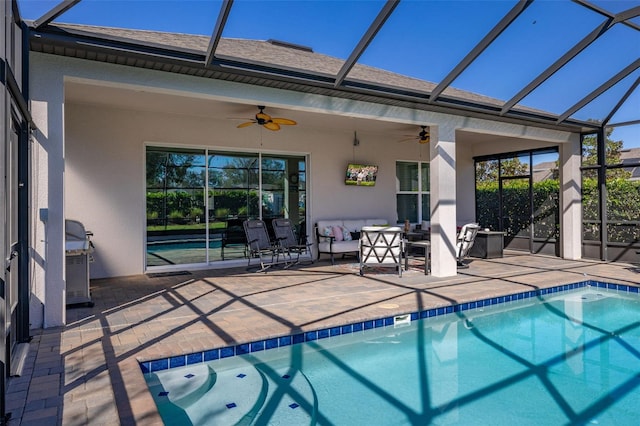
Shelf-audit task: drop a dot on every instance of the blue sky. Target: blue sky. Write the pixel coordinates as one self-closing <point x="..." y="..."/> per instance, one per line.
<point x="423" y="39"/>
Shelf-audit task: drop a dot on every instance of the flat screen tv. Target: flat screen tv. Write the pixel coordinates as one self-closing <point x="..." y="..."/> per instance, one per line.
<point x="361" y="174"/>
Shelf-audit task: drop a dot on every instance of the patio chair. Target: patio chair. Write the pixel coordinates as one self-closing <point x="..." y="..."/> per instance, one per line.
<point x="260" y="245"/>
<point x="381" y="246"/>
<point x="464" y="242"/>
<point x="234" y="237"/>
<point x="291" y="245"/>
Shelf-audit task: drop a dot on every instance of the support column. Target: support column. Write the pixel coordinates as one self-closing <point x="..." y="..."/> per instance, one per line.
<point x="570" y="199"/>
<point x="47" y="106"/>
<point x="442" y="154"/>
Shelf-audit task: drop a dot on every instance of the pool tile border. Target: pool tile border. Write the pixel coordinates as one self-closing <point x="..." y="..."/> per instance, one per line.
<point x="309" y="336"/>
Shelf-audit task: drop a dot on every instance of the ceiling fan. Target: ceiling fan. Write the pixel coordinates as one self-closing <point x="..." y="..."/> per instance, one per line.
<point x="422" y="138"/>
<point x="266" y="121"/>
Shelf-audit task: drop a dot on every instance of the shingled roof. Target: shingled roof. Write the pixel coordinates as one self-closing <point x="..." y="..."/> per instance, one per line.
<point x="186" y="53"/>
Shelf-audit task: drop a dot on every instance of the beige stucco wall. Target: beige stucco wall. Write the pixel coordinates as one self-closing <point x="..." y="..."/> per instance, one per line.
<point x="104" y="179"/>
<point x="89" y="159"/>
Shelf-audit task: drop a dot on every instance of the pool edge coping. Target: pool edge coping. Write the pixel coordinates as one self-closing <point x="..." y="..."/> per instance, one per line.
<point x="176" y="361"/>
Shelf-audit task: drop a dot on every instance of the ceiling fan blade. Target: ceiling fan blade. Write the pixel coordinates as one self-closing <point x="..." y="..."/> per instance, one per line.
<point x="407" y="140"/>
<point x="247" y="124"/>
<point x="285" y="121"/>
<point x="271" y="126"/>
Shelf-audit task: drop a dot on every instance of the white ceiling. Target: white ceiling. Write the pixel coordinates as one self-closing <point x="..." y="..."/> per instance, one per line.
<point x="141" y="100"/>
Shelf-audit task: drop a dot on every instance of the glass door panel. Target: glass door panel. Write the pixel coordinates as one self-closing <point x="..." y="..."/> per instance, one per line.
<point x="234" y="187"/>
<point x="176" y="225"/>
<point x="197" y="201"/>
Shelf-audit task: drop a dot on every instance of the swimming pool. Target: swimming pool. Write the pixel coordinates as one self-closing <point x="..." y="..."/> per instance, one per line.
<point x="557" y="357"/>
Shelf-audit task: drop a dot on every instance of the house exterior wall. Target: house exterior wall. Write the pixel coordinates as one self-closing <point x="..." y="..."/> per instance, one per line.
<point x="91" y="160"/>
<point x="105" y="181"/>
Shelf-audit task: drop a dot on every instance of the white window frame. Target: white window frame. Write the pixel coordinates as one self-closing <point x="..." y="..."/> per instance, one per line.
<point x="420" y="192"/>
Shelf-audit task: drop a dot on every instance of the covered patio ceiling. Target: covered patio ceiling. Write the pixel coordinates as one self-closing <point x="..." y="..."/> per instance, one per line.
<point x="563" y="64"/>
<point x="83" y="93"/>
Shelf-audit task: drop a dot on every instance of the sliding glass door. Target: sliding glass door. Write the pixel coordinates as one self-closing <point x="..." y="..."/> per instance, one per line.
<point x="176" y="226"/>
<point x="198" y="199"/>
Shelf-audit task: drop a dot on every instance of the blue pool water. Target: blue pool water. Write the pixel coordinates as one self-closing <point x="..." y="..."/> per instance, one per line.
<point x="563" y="358"/>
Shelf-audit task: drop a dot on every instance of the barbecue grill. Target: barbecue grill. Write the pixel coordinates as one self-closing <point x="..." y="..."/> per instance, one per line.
<point x="78" y="249"/>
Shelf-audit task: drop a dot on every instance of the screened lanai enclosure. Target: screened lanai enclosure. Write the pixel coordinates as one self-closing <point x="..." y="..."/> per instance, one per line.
<point x="610" y="196"/>
<point x="518" y="194"/>
<point x="122" y="117"/>
<point x="564" y="65"/>
<point x="197" y="201"/>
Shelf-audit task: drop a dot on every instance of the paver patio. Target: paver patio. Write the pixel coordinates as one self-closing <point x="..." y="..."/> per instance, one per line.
<point x="88" y="372"/>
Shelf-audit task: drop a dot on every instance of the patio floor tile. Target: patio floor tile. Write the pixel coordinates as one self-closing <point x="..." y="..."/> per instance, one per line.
<point x="88" y="371"/>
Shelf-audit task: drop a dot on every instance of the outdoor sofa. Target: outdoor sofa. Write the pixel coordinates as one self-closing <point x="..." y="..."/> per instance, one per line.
<point x="341" y="236"/>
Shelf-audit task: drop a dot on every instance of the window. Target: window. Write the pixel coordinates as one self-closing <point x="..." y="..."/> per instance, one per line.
<point x="197" y="200"/>
<point x="412" y="191"/>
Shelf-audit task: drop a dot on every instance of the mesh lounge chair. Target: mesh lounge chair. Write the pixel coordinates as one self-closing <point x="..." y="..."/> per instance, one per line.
<point x="260" y="245"/>
<point x="381" y="246"/>
<point x="465" y="240"/>
<point x="290" y="244"/>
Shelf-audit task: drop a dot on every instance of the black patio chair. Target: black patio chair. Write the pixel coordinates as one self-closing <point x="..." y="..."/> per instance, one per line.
<point x="260" y="245"/>
<point x="291" y="244"/>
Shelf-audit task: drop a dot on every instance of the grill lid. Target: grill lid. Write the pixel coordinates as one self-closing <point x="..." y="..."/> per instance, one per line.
<point x="76" y="238"/>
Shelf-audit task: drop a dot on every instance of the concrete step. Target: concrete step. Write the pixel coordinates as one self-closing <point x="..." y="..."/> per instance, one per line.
<point x="290" y="399"/>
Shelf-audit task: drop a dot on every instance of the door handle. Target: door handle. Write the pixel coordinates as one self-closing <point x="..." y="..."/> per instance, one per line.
<point x="13" y="255"/>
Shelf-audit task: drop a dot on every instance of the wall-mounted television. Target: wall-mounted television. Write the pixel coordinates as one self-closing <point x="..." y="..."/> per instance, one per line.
<point x="361" y="174"/>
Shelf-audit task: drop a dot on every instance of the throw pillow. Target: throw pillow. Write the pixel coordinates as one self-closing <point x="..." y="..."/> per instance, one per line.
<point x="327" y="231"/>
<point x="337" y="233"/>
<point x="346" y="235"/>
<point x="355" y="235"/>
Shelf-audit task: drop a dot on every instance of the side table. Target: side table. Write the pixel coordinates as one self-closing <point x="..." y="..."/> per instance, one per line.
<point x="426" y="245"/>
<point x="488" y="245"/>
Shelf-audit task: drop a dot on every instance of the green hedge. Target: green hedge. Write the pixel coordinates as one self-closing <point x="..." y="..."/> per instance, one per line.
<point x="516" y="202"/>
<point x="188" y="206"/>
<point x="623" y="208"/>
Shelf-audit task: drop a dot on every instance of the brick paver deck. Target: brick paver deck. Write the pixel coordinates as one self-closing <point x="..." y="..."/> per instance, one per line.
<point x="88" y="371"/>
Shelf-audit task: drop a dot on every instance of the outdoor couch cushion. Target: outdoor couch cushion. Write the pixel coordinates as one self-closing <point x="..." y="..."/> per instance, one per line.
<point x="352" y="226"/>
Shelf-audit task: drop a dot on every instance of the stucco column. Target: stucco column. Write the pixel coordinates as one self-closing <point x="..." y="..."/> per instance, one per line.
<point x="570" y="199"/>
<point x="442" y="154"/>
<point x="47" y="109"/>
